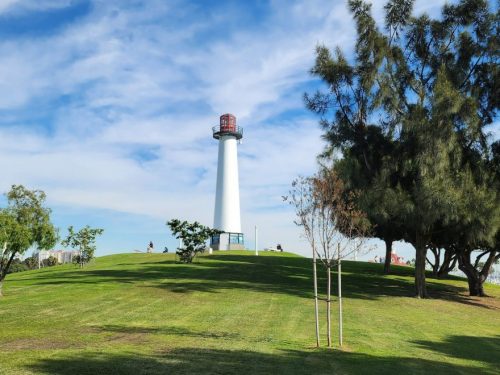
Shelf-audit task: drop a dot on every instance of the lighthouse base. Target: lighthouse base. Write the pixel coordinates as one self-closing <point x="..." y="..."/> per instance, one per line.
<point x="228" y="241"/>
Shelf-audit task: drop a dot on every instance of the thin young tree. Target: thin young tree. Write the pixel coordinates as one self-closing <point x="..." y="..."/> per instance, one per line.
<point x="194" y="237"/>
<point x="342" y="230"/>
<point x="303" y="199"/>
<point x="84" y="241"/>
<point x="333" y="226"/>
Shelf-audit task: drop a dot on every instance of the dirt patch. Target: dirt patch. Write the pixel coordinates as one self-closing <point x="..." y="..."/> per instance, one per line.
<point x="132" y="335"/>
<point x="37" y="344"/>
<point x="489" y="302"/>
<point x="129" y="338"/>
<point x="492" y="303"/>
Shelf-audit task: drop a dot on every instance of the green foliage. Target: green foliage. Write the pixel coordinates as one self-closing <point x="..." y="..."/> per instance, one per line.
<point x="409" y="115"/>
<point x="24" y="223"/>
<point x="31" y="262"/>
<point x="50" y="261"/>
<point x="17" y="266"/>
<point x="83" y="241"/>
<point x="77" y="259"/>
<point x="194" y="237"/>
<point x="27" y="206"/>
<point x="15" y="237"/>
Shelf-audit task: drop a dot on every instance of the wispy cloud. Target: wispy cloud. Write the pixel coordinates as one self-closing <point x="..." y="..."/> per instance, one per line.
<point x="112" y="112"/>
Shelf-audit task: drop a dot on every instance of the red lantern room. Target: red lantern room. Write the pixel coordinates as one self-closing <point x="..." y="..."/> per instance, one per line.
<point x="227" y="123"/>
<point x="227" y="127"/>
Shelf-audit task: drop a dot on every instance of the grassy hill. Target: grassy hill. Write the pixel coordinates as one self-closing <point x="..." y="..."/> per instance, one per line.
<point x="234" y="313"/>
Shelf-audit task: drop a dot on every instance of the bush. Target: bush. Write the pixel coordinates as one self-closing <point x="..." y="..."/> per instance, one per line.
<point x="31" y="262"/>
<point x="76" y="259"/>
<point x="50" y="261"/>
<point x="193" y="237"/>
<point x="17" y="266"/>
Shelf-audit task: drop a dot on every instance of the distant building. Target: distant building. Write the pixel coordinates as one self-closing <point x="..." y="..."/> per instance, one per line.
<point x="62" y="256"/>
<point x="395" y="259"/>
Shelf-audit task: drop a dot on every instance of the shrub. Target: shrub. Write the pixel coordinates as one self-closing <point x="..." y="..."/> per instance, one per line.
<point x="17" y="266"/>
<point x="31" y="262"/>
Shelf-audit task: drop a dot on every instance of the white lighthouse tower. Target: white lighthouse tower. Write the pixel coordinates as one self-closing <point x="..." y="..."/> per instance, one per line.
<point x="227" y="196"/>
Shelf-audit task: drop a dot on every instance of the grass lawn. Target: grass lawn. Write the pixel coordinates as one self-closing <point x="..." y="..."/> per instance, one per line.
<point x="234" y="313"/>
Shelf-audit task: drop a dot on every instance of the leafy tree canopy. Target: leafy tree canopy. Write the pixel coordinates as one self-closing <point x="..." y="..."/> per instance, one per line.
<point x="408" y="114"/>
<point x="83" y="241"/>
<point x="24" y="223"/>
<point x="194" y="237"/>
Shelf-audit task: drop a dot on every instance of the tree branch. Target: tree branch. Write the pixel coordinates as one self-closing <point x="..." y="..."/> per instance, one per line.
<point x="486" y="268"/>
<point x="478" y="258"/>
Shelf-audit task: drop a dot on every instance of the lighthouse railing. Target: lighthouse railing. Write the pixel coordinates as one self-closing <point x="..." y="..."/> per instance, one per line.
<point x="219" y="131"/>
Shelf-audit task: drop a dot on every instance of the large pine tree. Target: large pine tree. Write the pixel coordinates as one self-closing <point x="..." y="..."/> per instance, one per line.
<point x="428" y="88"/>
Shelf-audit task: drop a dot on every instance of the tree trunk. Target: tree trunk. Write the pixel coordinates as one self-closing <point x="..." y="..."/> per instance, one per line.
<point x="420" y="259"/>
<point x="476" y="287"/>
<point x="2" y="276"/>
<point x="328" y="307"/>
<point x="3" y="271"/>
<point x="437" y="260"/>
<point x="341" y="334"/>
<point x="475" y="278"/>
<point x="388" y="253"/>
<point x="316" y="314"/>
<point x="448" y="265"/>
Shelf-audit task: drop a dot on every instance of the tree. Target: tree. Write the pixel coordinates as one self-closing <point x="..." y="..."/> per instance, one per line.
<point x="303" y="200"/>
<point x="343" y="231"/>
<point x="376" y="194"/>
<point x="445" y="96"/>
<point x="478" y="244"/>
<point x="333" y="226"/>
<point x="430" y="87"/>
<point x="24" y="223"/>
<point x="17" y="266"/>
<point x="368" y="150"/>
<point x="83" y="241"/>
<point x="50" y="261"/>
<point x="194" y="237"/>
<point x="31" y="262"/>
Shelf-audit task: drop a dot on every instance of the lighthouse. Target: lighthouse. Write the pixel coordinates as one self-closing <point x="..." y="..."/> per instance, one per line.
<point x="227" y="197"/>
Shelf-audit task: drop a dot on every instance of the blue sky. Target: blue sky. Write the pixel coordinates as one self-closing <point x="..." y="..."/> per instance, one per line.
<point x="108" y="107"/>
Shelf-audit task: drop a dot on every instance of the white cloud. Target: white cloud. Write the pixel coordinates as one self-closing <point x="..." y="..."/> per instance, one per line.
<point x="21" y="6"/>
<point x="123" y="81"/>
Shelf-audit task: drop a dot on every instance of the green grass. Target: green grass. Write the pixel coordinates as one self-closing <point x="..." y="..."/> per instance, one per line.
<point x="234" y="313"/>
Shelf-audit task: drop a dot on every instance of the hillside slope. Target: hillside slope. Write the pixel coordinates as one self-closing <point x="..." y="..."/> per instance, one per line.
<point x="234" y="313"/>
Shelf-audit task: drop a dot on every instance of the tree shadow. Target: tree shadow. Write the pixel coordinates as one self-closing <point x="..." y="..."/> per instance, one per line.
<point x="272" y="274"/>
<point x="174" y="331"/>
<point x="483" y="349"/>
<point x="238" y="362"/>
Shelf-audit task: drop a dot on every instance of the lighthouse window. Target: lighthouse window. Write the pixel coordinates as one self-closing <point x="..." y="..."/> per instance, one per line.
<point x="236" y="238"/>
<point x="215" y="239"/>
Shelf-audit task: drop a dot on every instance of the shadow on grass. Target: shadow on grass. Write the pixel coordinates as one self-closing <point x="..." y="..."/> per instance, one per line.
<point x="215" y="361"/>
<point x="483" y="349"/>
<point x="175" y="331"/>
<point x="273" y="274"/>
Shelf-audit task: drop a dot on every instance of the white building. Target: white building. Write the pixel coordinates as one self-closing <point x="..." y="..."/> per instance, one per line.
<point x="62" y="256"/>
<point x="227" y="196"/>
